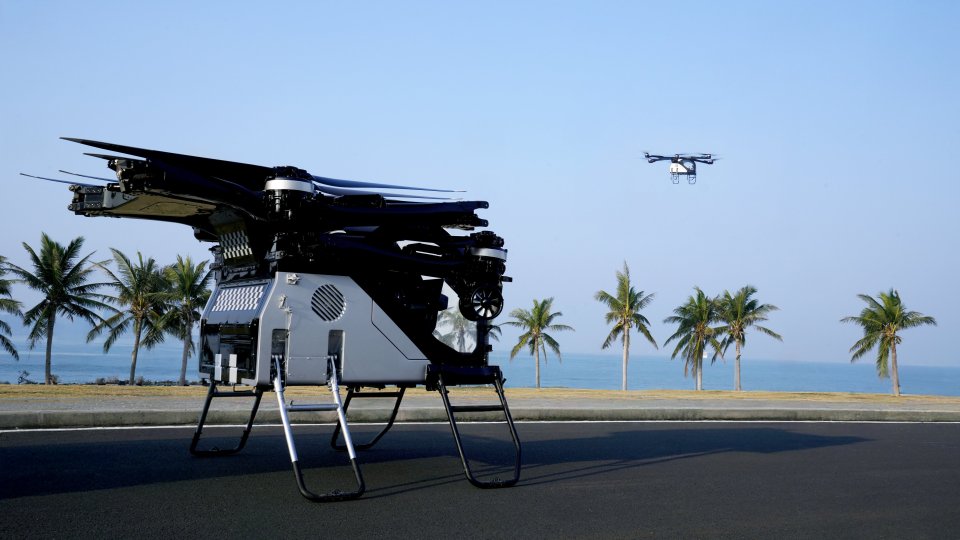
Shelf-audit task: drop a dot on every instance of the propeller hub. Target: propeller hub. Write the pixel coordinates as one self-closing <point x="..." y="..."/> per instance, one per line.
<point x="289" y="184"/>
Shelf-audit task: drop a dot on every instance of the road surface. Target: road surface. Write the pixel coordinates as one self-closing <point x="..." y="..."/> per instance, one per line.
<point x="580" y="480"/>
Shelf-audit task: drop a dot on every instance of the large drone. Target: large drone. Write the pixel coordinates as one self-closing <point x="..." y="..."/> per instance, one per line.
<point x="683" y="164"/>
<point x="320" y="281"/>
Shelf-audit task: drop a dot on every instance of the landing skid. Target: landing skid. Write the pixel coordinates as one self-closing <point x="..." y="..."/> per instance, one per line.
<point x="443" y="377"/>
<point x="337" y="406"/>
<point x="213" y="392"/>
<point x="354" y="392"/>
<point x="440" y="378"/>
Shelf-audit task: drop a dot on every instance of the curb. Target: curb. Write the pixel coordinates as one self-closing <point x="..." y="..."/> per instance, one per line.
<point x="127" y="418"/>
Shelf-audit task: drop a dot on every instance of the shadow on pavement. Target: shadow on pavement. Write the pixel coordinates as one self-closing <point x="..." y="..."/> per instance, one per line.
<point x="409" y="458"/>
<point x="624" y="446"/>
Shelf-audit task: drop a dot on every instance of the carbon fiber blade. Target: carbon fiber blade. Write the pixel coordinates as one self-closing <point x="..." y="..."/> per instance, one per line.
<point x="332" y="190"/>
<point x="57" y="180"/>
<point x="88" y="176"/>
<point x="335" y="182"/>
<point x="247" y="175"/>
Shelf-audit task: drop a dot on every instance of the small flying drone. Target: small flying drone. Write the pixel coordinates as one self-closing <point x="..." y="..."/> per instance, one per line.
<point x="683" y="164"/>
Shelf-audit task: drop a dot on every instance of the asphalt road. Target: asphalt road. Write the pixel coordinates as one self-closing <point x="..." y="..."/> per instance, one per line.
<point x="580" y="480"/>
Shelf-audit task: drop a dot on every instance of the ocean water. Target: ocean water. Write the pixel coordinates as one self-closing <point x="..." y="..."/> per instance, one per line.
<point x="647" y="373"/>
<point x="83" y="363"/>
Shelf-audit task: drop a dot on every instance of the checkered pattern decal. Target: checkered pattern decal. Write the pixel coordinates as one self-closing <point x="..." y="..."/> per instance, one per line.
<point x="239" y="298"/>
<point x="235" y="245"/>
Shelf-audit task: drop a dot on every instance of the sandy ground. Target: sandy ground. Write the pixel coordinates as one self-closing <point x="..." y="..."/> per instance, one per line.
<point x="100" y="392"/>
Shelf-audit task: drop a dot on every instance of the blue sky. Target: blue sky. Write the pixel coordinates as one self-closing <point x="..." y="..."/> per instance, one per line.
<point x="837" y="122"/>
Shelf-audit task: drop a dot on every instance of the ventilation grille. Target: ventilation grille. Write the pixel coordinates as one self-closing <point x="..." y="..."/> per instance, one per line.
<point x="239" y="298"/>
<point x="327" y="302"/>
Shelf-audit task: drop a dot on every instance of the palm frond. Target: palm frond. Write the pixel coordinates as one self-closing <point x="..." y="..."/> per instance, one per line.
<point x="554" y="346"/>
<point x="537" y="321"/>
<point x="624" y="307"/>
<point x="615" y="333"/>
<point x="522" y="342"/>
<point x="9" y="347"/>
<point x="881" y="320"/>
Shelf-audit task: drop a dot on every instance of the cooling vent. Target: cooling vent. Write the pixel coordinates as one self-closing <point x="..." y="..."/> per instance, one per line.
<point x="244" y="298"/>
<point x="328" y="303"/>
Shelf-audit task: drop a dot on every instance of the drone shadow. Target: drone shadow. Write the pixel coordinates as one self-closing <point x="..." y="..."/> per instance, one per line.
<point x="624" y="447"/>
<point x="46" y="463"/>
<point x="613" y="447"/>
<point x="409" y="458"/>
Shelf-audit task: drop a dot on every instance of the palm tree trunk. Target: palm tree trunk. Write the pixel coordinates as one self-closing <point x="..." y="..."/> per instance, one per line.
<point x="136" y="349"/>
<point x="698" y="365"/>
<point x="736" y="370"/>
<point x="626" y="357"/>
<point x="895" y="374"/>
<point x="537" y="350"/>
<point x="183" y="361"/>
<point x="47" y="377"/>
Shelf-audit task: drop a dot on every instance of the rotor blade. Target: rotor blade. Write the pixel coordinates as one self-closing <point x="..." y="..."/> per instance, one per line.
<point x="331" y="190"/>
<point x="182" y="172"/>
<point x="58" y="181"/>
<point x="87" y="176"/>
<point x="179" y="172"/>
<point x="105" y="156"/>
<point x="249" y="176"/>
<point x="357" y="184"/>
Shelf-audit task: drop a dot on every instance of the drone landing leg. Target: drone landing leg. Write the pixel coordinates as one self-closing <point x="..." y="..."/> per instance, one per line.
<point x="214" y="393"/>
<point x="454" y="376"/>
<point x="337" y="405"/>
<point x="356" y="393"/>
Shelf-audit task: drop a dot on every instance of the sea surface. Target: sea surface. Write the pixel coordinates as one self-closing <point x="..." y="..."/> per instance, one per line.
<point x="650" y="372"/>
<point x="81" y="363"/>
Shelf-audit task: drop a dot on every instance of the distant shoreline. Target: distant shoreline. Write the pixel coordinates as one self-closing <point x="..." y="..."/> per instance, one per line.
<point x="84" y="390"/>
<point x="576" y="371"/>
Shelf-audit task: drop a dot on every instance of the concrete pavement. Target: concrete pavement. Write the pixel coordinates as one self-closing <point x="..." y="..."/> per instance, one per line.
<point x="50" y="410"/>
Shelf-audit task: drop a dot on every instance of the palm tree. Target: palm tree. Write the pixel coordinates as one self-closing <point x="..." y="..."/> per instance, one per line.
<point x="495" y="332"/>
<point x="189" y="291"/>
<point x="739" y="312"/>
<point x="693" y="320"/>
<point x="625" y="314"/>
<point x="537" y="321"/>
<point x="881" y="320"/>
<point x="61" y="277"/>
<point x="459" y="327"/>
<point x="8" y="304"/>
<point x="140" y="289"/>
